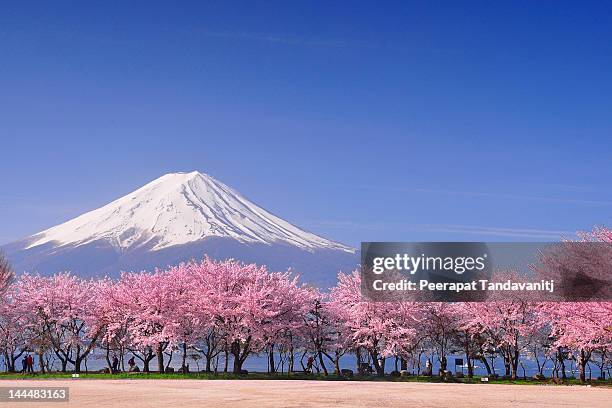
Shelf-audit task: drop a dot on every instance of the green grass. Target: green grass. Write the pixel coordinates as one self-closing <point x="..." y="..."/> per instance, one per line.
<point x="295" y="376"/>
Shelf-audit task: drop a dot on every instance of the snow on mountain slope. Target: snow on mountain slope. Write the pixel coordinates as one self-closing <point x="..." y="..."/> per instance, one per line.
<point x="178" y="209"/>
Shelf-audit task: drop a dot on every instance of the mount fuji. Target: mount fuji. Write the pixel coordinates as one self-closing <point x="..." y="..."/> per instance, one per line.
<point x="175" y="218"/>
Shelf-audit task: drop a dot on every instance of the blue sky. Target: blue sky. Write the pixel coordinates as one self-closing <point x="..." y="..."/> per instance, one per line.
<point x="360" y="121"/>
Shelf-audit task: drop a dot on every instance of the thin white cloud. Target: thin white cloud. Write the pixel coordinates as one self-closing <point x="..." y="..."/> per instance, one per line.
<point x="531" y="233"/>
<point x="351" y="225"/>
<point x="497" y="231"/>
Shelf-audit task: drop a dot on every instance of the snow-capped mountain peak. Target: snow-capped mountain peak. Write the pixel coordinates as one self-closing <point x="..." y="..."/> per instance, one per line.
<point x="177" y="209"/>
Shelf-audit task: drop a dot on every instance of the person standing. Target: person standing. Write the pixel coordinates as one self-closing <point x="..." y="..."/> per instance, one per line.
<point x="131" y="363"/>
<point x="115" y="364"/>
<point x="30" y="364"/>
<point x="24" y="364"/>
<point x="309" y="364"/>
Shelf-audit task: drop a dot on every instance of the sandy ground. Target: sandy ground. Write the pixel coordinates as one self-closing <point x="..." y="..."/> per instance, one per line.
<point x="295" y="393"/>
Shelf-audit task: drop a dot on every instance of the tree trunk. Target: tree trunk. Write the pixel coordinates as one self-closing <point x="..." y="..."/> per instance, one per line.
<point x="515" y="361"/>
<point x="271" y="362"/>
<point x="77" y="363"/>
<point x="77" y="360"/>
<point x="507" y="365"/>
<point x="486" y="364"/>
<point x="443" y="363"/>
<point x="169" y="359"/>
<point x="468" y="358"/>
<point x="337" y="364"/>
<point x="108" y="361"/>
<point x="561" y="363"/>
<point x="235" y="350"/>
<point x="41" y="362"/>
<point x="470" y="366"/>
<point x="540" y="366"/>
<point x="160" y="358"/>
<point x="380" y="368"/>
<point x="10" y="362"/>
<point x="291" y="360"/>
<point x="145" y="366"/>
<point x="240" y="353"/>
<point x="184" y="361"/>
<point x="584" y="359"/>
<point x="403" y="364"/>
<point x="237" y="363"/>
<point x="322" y="363"/>
<point x="81" y="355"/>
<point x="146" y="360"/>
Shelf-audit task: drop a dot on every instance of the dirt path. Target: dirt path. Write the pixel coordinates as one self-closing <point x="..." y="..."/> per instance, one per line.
<point x="295" y="393"/>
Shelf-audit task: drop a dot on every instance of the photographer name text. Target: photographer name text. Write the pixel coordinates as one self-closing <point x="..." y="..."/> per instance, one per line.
<point x="475" y="285"/>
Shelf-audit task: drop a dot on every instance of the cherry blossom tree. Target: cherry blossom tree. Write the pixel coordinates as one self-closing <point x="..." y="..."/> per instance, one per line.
<point x="188" y="323"/>
<point x="603" y="360"/>
<point x="506" y="324"/>
<point x="291" y="305"/>
<point x="112" y="320"/>
<point x="196" y="326"/>
<point x="540" y="343"/>
<point x="247" y="304"/>
<point x="468" y="336"/>
<point x="439" y="325"/>
<point x="384" y="329"/>
<point x="62" y="308"/>
<point x="325" y="330"/>
<point x="580" y="326"/>
<point x="13" y="332"/>
<point x="152" y="303"/>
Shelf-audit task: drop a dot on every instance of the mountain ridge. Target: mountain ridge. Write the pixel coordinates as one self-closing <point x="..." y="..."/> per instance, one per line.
<point x="203" y="206"/>
<point x="175" y="218"/>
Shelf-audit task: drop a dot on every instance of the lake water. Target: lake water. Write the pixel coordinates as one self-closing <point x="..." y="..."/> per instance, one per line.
<point x="259" y="363"/>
